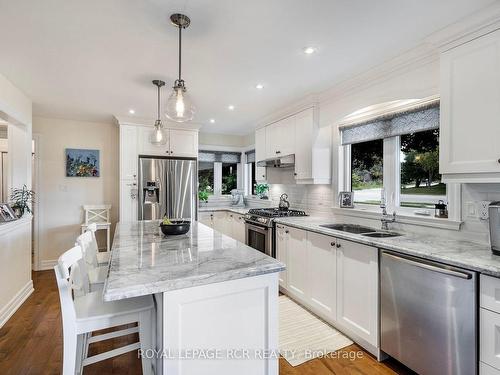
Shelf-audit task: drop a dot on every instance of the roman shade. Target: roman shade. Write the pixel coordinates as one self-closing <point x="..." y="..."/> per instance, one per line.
<point x="250" y="156"/>
<point x="412" y="120"/>
<point x="219" y="156"/>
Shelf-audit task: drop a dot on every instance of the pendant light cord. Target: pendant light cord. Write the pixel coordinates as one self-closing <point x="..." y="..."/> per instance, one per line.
<point x="158" y="102"/>
<point x="180" y="50"/>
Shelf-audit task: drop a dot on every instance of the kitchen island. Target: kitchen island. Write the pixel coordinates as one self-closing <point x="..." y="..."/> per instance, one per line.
<point x="217" y="299"/>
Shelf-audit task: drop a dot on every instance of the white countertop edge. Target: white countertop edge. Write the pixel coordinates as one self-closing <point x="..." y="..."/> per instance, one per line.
<point x="10" y="226"/>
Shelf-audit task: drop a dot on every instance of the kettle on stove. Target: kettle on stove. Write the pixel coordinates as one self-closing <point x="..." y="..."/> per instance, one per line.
<point x="284" y="204"/>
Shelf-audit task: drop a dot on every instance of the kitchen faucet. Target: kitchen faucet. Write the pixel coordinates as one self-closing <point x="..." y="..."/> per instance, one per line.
<point x="386" y="219"/>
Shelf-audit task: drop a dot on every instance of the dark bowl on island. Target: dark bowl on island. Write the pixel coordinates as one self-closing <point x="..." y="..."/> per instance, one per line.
<point x="176" y="227"/>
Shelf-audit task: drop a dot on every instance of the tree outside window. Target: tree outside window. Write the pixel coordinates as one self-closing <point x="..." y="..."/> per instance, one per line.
<point x="421" y="184"/>
<point x="367" y="171"/>
<point x="229" y="177"/>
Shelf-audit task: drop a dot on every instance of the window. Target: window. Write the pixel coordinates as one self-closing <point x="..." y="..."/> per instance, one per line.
<point x="400" y="153"/>
<point x="250" y="180"/>
<point x="367" y="170"/>
<point x="206" y="177"/>
<point x="218" y="171"/>
<point x="229" y="177"/>
<point x="420" y="182"/>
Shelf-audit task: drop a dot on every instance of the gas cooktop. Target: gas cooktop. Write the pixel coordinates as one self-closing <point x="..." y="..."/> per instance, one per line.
<point x="275" y="212"/>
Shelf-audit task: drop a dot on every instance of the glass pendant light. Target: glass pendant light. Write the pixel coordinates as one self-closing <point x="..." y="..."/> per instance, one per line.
<point x="158" y="136"/>
<point x="179" y="105"/>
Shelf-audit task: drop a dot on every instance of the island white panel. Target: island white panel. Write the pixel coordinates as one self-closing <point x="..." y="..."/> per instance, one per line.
<point x="231" y="317"/>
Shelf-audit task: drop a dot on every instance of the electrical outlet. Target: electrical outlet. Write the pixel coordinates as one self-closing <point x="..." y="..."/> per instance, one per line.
<point x="483" y="210"/>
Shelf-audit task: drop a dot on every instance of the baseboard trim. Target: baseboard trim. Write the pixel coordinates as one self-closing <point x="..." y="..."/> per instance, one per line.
<point x="47" y="264"/>
<point x="15" y="303"/>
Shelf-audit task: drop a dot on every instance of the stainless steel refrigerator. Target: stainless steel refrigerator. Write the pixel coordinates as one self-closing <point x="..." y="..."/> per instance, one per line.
<point x="167" y="187"/>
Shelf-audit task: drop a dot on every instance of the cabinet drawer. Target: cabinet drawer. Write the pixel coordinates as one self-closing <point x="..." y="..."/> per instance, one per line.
<point x="489" y="337"/>
<point x="485" y="369"/>
<point x="490" y="293"/>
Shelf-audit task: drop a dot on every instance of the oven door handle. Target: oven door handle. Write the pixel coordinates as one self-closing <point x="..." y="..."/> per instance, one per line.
<point x="257" y="228"/>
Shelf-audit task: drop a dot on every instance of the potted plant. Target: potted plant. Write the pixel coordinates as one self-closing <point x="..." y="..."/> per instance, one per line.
<point x="203" y="196"/>
<point x="21" y="200"/>
<point x="261" y="190"/>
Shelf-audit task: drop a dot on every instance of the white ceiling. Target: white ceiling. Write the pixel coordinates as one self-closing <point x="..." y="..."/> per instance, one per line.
<point x="89" y="60"/>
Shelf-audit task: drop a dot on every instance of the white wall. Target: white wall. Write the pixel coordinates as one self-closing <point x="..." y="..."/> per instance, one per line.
<point x="15" y="237"/>
<point x="226" y="140"/>
<point x="61" y="198"/>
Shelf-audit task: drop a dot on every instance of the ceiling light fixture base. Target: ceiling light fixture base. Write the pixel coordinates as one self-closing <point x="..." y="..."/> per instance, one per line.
<point x="158" y="82"/>
<point x="180" y="20"/>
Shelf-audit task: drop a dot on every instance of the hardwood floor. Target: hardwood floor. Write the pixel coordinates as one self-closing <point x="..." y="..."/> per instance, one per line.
<point x="31" y="343"/>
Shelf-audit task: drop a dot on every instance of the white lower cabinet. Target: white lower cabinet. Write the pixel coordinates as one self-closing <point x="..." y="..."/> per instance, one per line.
<point x="357" y="289"/>
<point x="335" y="279"/>
<point x="229" y="223"/>
<point x="297" y="263"/>
<point x="489" y="325"/>
<point x="282" y="252"/>
<point x="206" y="218"/>
<point x="321" y="275"/>
<point x="238" y="227"/>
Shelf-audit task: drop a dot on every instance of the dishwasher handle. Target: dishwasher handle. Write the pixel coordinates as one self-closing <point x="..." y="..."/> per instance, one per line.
<point x="428" y="266"/>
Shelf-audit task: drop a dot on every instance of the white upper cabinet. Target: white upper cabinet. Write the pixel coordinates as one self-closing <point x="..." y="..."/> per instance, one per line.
<point x="312" y="150"/>
<point x="128" y="152"/>
<point x="300" y="135"/>
<point x="183" y="143"/>
<point x="280" y="138"/>
<point x="470" y="111"/>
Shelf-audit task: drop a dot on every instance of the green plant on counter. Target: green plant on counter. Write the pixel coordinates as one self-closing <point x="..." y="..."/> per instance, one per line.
<point x="22" y="199"/>
<point x="261" y="190"/>
<point x="203" y="195"/>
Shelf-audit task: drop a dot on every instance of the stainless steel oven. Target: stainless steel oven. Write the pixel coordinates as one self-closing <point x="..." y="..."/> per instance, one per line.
<point x="259" y="237"/>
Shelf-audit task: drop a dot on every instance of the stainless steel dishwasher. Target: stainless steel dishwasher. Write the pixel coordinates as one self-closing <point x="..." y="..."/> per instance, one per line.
<point x="428" y="315"/>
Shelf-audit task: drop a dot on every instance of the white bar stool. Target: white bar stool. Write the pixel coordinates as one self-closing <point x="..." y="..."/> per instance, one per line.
<point x="96" y="273"/>
<point x="102" y="258"/>
<point x="84" y="313"/>
<point x="98" y="214"/>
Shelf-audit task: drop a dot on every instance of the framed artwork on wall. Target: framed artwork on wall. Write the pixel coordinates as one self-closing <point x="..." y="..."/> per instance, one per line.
<point x="346" y="199"/>
<point x="82" y="163"/>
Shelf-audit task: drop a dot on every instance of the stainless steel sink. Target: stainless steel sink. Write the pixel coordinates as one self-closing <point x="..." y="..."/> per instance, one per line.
<point x="350" y="228"/>
<point x="381" y="234"/>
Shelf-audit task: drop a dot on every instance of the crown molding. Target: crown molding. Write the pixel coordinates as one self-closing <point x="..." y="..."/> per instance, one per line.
<point x="142" y="121"/>
<point x="468" y="28"/>
<point x="427" y="52"/>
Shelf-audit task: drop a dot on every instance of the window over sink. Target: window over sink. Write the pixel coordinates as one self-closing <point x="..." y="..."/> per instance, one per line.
<point x="396" y="150"/>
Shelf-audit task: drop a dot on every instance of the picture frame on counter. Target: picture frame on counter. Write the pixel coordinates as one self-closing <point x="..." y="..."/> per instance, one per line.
<point x="6" y="213"/>
<point x="346" y="199"/>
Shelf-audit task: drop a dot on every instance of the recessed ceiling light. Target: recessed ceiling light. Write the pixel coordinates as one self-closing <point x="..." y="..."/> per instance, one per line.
<point x="259" y="86"/>
<point x="131" y="111"/>
<point x="230" y="107"/>
<point x="212" y="120"/>
<point x="309" y="50"/>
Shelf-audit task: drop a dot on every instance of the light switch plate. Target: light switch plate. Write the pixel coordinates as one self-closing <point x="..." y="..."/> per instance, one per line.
<point x="471" y="210"/>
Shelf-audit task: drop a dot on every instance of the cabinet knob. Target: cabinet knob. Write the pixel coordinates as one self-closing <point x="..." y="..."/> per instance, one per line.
<point x="332" y="243"/>
<point x="278" y="152"/>
<point x="338" y="246"/>
<point x="498" y="160"/>
<point x="287" y="231"/>
<point x="295" y="174"/>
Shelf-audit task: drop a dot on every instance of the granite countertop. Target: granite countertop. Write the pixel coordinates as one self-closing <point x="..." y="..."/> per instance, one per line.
<point x="143" y="261"/>
<point x="236" y="210"/>
<point x="462" y="253"/>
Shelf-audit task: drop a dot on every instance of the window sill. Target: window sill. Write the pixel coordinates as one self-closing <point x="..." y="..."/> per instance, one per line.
<point x="401" y="217"/>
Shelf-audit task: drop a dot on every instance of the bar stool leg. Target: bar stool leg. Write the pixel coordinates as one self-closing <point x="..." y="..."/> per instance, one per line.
<point x="146" y="340"/>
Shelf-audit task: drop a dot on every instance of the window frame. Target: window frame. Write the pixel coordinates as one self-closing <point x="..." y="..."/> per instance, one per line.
<point x="392" y="183"/>
<point x="217" y="188"/>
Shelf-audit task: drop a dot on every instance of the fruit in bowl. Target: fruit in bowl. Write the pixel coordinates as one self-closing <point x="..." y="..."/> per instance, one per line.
<point x="174" y="227"/>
